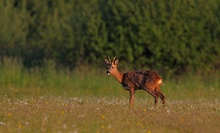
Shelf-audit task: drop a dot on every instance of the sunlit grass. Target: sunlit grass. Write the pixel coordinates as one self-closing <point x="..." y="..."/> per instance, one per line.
<point x="57" y="114"/>
<point x="87" y="100"/>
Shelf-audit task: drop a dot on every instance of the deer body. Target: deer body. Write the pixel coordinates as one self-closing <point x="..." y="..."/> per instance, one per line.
<point x="147" y="80"/>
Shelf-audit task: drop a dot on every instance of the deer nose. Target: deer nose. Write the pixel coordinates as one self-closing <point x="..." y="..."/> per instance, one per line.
<point x="108" y="72"/>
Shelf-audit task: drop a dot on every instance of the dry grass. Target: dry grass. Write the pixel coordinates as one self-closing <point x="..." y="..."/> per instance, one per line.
<point x="109" y="114"/>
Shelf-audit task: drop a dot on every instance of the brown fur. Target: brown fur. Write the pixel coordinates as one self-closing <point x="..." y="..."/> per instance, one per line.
<point x="147" y="80"/>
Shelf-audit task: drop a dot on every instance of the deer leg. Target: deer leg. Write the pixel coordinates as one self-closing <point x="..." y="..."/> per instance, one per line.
<point x="131" y="99"/>
<point x="154" y="94"/>
<point x="162" y="97"/>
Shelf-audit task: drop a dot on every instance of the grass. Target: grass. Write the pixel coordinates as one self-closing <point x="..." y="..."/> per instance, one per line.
<point x="87" y="100"/>
<point x="107" y="114"/>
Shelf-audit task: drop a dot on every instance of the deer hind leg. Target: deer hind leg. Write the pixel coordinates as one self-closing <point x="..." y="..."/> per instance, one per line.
<point x="154" y="94"/>
<point x="162" y="97"/>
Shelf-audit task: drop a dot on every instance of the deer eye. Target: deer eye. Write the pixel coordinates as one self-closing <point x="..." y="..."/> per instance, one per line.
<point x="112" y="67"/>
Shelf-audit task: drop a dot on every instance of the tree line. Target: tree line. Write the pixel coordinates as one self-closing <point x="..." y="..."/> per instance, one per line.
<point x="169" y="35"/>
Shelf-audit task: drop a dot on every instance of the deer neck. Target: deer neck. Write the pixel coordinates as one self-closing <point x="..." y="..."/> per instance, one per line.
<point x="118" y="75"/>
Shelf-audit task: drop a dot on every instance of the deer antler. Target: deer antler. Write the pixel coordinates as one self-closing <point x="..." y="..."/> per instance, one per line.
<point x="109" y="60"/>
<point x="114" y="59"/>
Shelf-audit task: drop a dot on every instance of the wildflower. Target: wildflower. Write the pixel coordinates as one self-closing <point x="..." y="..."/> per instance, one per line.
<point x="64" y="126"/>
<point x="20" y="125"/>
<point x="103" y="117"/>
<point x="140" y="124"/>
<point x="2" y="123"/>
<point x="103" y="127"/>
<point x="9" y="114"/>
<point x="168" y="111"/>
<point x="109" y="126"/>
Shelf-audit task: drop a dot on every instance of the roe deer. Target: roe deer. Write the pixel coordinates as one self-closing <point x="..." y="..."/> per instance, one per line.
<point x="147" y="80"/>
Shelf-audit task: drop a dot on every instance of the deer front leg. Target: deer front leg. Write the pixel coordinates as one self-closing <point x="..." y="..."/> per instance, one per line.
<point x="131" y="99"/>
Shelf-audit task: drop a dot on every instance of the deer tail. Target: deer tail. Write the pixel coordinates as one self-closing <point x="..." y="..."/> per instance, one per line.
<point x="159" y="82"/>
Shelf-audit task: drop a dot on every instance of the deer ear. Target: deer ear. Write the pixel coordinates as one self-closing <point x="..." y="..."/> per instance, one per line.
<point x="107" y="62"/>
<point x="116" y="62"/>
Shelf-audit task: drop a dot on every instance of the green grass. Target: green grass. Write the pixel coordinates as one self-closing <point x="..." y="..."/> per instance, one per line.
<point x="87" y="100"/>
<point x="19" y="82"/>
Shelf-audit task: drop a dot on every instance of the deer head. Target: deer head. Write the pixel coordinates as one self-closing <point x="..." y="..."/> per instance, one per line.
<point x="112" y="65"/>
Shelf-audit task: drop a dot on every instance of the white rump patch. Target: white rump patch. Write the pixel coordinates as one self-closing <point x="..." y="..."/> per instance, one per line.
<point x="159" y="81"/>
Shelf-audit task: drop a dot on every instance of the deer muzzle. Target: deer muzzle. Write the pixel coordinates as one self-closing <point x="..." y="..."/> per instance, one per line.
<point x="108" y="72"/>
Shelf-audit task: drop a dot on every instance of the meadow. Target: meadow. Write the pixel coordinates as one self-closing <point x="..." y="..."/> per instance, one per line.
<point x="87" y="100"/>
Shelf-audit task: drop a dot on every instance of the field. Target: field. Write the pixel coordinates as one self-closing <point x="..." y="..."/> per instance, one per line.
<point x="87" y="100"/>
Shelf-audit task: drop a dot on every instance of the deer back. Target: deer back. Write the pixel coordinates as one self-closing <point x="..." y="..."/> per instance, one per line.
<point x="141" y="79"/>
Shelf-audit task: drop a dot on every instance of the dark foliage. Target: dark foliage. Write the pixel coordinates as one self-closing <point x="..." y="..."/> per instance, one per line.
<point x="173" y="36"/>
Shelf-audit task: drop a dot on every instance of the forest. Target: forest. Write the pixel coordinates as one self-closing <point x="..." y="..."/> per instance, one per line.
<point x="172" y="36"/>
